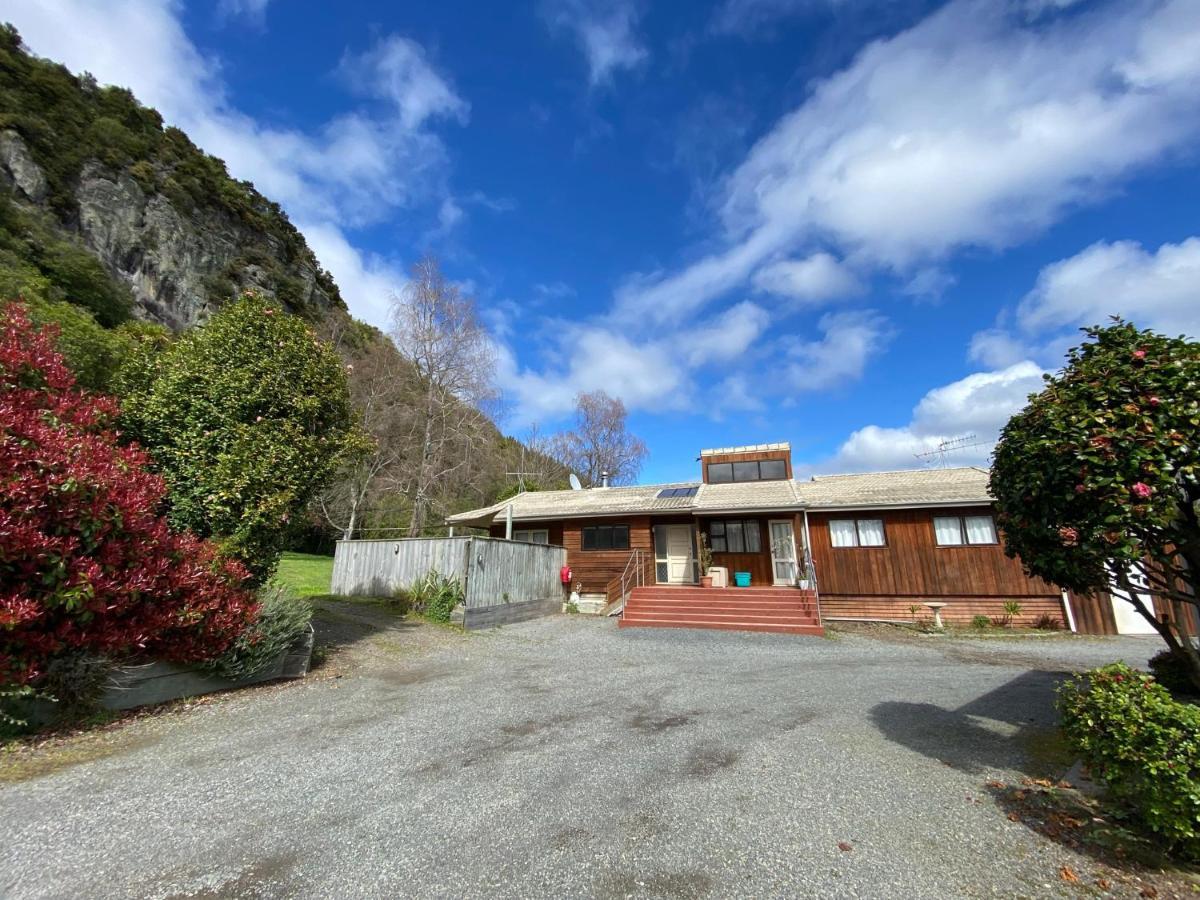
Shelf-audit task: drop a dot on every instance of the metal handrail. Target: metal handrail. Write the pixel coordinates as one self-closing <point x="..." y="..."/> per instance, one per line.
<point x="633" y="575"/>
<point x="810" y="575"/>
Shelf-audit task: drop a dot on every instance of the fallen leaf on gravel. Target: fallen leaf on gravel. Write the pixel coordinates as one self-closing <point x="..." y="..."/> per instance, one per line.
<point x="995" y="785"/>
<point x="1066" y="873"/>
<point x="845" y="846"/>
<point x="1065" y="785"/>
<point x="1014" y="817"/>
<point x="1149" y="891"/>
<point x="1103" y="884"/>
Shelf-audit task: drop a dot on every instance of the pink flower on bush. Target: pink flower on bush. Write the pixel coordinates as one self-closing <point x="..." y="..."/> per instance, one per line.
<point x="1069" y="535"/>
<point x="1079" y="489"/>
<point x="1142" y="490"/>
<point x="1153" y="401"/>
<point x="1139" y="354"/>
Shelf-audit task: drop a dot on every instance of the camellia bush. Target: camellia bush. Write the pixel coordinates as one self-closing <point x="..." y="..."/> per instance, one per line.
<point x="246" y="417"/>
<point x="87" y="563"/>
<point x="1097" y="480"/>
<point x="1142" y="744"/>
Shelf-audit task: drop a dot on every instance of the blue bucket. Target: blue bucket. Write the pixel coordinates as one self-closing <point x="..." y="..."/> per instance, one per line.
<point x="741" y="579"/>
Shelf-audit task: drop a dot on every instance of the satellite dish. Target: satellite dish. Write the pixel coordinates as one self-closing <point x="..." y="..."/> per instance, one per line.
<point x="575" y="485"/>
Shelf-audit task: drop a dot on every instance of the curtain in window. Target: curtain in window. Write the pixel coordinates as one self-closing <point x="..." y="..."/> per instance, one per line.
<point x="841" y="532"/>
<point x="980" y="530"/>
<point x="870" y="532"/>
<point x="734" y="538"/>
<point x="753" y="540"/>
<point x="947" y="529"/>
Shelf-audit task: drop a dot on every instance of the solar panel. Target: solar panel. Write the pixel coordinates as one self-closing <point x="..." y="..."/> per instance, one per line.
<point x="666" y="493"/>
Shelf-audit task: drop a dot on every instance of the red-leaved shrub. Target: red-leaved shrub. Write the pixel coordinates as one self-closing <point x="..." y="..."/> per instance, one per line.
<point x="86" y="561"/>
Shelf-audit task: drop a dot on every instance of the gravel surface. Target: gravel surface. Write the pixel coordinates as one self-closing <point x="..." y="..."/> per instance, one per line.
<point x="566" y="758"/>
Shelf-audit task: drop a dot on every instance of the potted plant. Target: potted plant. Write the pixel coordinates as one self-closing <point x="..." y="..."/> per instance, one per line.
<point x="705" y="561"/>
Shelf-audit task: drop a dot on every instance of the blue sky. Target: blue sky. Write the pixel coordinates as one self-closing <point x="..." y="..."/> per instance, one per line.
<point x="863" y="226"/>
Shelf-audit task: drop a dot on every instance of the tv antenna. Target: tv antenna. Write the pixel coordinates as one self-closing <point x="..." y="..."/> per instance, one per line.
<point x="939" y="456"/>
<point x="521" y="474"/>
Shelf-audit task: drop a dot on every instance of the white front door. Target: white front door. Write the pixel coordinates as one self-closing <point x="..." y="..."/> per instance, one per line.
<point x="783" y="551"/>
<point x="679" y="554"/>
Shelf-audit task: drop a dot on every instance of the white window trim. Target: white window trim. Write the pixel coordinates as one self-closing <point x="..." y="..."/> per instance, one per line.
<point x="858" y="544"/>
<point x="529" y="532"/>
<point x="964" y="539"/>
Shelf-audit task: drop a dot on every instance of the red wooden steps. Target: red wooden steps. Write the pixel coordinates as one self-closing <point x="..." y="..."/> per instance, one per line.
<point x="779" y="610"/>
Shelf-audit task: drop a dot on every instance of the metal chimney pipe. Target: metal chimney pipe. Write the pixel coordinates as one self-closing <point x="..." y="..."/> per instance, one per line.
<point x="604" y="478"/>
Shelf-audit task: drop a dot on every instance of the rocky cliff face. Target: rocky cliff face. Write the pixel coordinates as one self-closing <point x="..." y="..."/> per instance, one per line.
<point x="179" y="265"/>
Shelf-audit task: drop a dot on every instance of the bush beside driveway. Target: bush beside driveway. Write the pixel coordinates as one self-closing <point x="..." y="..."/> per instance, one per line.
<point x="562" y="757"/>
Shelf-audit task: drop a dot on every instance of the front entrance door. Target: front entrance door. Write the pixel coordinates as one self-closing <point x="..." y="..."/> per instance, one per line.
<point x="783" y="552"/>
<point x="679" y="554"/>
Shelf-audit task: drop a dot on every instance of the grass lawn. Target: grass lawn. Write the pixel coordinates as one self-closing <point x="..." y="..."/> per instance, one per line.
<point x="304" y="574"/>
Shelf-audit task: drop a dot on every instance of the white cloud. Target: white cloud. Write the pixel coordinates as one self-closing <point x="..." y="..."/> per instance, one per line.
<point x="726" y="337"/>
<point x="979" y="404"/>
<point x="750" y="17"/>
<point x="253" y="11"/>
<point x="813" y="280"/>
<point x="1159" y="289"/>
<point x="356" y="168"/>
<point x="849" y="341"/>
<point x="554" y="290"/>
<point x="977" y="127"/>
<point x="605" y="31"/>
<point x="397" y="69"/>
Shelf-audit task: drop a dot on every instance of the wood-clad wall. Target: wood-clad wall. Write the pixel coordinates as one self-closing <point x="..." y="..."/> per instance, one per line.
<point x="757" y="564"/>
<point x="747" y="456"/>
<point x="882" y="582"/>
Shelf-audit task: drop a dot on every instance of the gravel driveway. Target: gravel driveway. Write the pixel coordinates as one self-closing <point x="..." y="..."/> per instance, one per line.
<point x="566" y="758"/>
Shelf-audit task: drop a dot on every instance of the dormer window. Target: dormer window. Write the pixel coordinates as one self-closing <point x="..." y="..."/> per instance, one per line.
<point x="747" y="470"/>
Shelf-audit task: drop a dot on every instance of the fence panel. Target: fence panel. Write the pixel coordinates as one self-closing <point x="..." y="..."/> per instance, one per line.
<point x="513" y="572"/>
<point x="377" y="568"/>
<point x="503" y="581"/>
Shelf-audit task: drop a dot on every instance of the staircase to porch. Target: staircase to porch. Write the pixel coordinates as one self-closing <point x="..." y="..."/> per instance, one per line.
<point x="781" y="610"/>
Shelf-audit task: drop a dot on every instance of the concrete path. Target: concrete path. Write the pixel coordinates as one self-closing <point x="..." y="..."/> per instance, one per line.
<point x="565" y="758"/>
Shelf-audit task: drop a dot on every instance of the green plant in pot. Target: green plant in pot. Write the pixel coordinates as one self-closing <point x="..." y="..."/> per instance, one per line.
<point x="706" y="561"/>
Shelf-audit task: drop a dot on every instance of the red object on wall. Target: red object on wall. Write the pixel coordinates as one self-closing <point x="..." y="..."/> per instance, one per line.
<point x="564" y="574"/>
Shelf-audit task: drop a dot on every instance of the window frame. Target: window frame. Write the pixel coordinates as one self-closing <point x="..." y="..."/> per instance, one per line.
<point x="962" y="531"/>
<point x="858" y="544"/>
<point x="732" y="468"/>
<point x="531" y="531"/>
<point x="596" y="530"/>
<point x="724" y="535"/>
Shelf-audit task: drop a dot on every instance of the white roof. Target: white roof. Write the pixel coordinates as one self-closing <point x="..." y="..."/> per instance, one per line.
<point x="748" y="448"/>
<point x="912" y="487"/>
<point x="918" y="487"/>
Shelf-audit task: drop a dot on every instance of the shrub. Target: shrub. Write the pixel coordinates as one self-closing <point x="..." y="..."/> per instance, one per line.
<point x="1142" y="744"/>
<point x="282" y="620"/>
<point x="246" y="417"/>
<point x="980" y="622"/>
<point x="86" y="562"/>
<point x="435" y="596"/>
<point x="1047" y="622"/>
<point x="1011" y="608"/>
<point x="1172" y="673"/>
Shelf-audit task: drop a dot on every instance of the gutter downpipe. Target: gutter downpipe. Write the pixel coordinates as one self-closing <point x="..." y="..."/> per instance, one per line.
<point x="508" y="522"/>
<point x="1066" y="601"/>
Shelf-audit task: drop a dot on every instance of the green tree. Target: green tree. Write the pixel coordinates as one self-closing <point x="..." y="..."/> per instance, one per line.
<point x="1097" y="480"/>
<point x="246" y="417"/>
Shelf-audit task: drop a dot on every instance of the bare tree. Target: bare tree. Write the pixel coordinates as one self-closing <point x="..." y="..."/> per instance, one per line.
<point x="380" y="389"/>
<point x="600" y="441"/>
<point x="438" y="331"/>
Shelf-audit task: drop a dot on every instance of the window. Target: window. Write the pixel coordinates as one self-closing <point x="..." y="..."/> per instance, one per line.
<point x="955" y="531"/>
<point x="666" y="493"/>
<point x="748" y="470"/>
<point x="734" y="536"/>
<point x="857" y="533"/>
<point x="606" y="537"/>
<point x="720" y="473"/>
<point x="532" y="536"/>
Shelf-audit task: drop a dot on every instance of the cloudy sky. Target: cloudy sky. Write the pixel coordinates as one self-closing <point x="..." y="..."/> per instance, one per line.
<point x="864" y="226"/>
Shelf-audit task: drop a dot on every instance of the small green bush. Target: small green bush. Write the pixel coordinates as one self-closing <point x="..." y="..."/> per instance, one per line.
<point x="1172" y="673"/>
<point x="980" y="622"/>
<point x="282" y="620"/>
<point x="1142" y="744"/>
<point x="435" y="596"/>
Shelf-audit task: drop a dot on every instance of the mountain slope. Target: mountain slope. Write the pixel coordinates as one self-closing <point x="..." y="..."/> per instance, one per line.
<point x="174" y="232"/>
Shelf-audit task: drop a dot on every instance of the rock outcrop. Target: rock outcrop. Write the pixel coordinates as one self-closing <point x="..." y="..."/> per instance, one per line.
<point x="180" y="266"/>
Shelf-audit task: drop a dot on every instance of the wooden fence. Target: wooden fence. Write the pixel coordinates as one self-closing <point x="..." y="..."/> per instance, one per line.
<point x="503" y="581"/>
